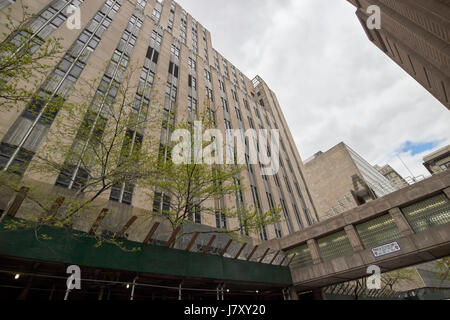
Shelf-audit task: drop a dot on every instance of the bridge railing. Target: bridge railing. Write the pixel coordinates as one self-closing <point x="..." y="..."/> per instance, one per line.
<point x="372" y="233"/>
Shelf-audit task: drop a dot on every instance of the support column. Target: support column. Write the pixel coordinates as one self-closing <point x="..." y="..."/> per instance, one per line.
<point x="353" y="237"/>
<point x="293" y="294"/>
<point x="318" y="294"/>
<point x="447" y="192"/>
<point x="314" y="250"/>
<point x="401" y="222"/>
<point x="17" y="202"/>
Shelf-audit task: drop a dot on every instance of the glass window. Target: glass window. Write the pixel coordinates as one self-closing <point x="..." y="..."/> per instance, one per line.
<point x="429" y="213"/>
<point x="378" y="231"/>
<point x="301" y="257"/>
<point x="334" y="246"/>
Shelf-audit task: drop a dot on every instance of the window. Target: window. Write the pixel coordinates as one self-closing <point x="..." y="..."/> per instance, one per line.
<point x="122" y="193"/>
<point x="171" y="91"/>
<point x="209" y="94"/>
<point x="278" y="232"/>
<point x="67" y="177"/>
<point x="192" y="64"/>
<point x="263" y="232"/>
<point x="192" y="104"/>
<point x="225" y="68"/>
<point x="246" y="105"/>
<point x="225" y="105"/>
<point x="156" y="15"/>
<point x="286" y="216"/>
<point x="221" y="86"/>
<point x="445" y="166"/>
<point x="250" y="122"/>
<point x="297" y="216"/>
<point x="20" y="162"/>
<point x="173" y="69"/>
<point x="192" y="82"/>
<point x="238" y="114"/>
<point x="142" y="3"/>
<point x="212" y="116"/>
<point x="152" y="55"/>
<point x="233" y="93"/>
<point x="195" y="214"/>
<point x="157" y="37"/>
<point x="161" y="203"/>
<point x="287" y="184"/>
<point x="221" y="220"/>
<point x="147" y="76"/>
<point x="207" y="76"/>
<point x="175" y="51"/>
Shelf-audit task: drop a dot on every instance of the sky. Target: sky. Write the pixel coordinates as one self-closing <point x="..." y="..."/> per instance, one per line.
<point x="333" y="84"/>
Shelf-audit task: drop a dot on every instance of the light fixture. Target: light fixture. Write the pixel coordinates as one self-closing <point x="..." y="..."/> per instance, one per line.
<point x="17" y="276"/>
<point x="257" y="291"/>
<point x="228" y="290"/>
<point x="128" y="285"/>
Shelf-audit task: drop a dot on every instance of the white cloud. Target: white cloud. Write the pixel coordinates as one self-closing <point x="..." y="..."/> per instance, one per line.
<point x="332" y="82"/>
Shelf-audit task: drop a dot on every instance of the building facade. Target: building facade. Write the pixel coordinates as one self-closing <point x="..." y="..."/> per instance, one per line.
<point x="416" y="35"/>
<point x="340" y="180"/>
<point x="438" y="161"/>
<point x="179" y="63"/>
<point x="393" y="176"/>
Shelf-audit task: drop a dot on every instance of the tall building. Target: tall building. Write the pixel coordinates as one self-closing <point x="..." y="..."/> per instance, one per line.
<point x="393" y="176"/>
<point x="438" y="161"/>
<point x="416" y="35"/>
<point x="340" y="180"/>
<point x="177" y="58"/>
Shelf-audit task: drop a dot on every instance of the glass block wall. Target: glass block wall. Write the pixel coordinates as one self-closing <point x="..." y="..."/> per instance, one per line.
<point x="378" y="231"/>
<point x="376" y="181"/>
<point x="334" y="245"/>
<point x="429" y="213"/>
<point x="303" y="257"/>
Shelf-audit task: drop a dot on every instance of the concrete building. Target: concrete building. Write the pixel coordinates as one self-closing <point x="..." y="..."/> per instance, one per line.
<point x="416" y="35"/>
<point x="438" y="161"/>
<point x="393" y="176"/>
<point x="340" y="180"/>
<point x="155" y="36"/>
<point x="177" y="62"/>
<point x="176" y="55"/>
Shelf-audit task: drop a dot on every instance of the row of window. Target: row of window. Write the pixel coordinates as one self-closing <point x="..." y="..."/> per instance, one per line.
<point x="28" y="131"/>
<point x="74" y="175"/>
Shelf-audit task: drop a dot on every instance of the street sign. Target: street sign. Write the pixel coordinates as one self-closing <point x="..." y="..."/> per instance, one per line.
<point x="386" y="249"/>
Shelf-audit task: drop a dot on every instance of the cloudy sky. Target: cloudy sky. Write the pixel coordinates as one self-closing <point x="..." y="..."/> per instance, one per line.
<point x="332" y="83"/>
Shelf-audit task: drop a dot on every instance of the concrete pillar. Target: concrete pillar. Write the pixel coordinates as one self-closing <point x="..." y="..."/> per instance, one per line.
<point x="318" y="294"/>
<point x="293" y="294"/>
<point x="353" y="237"/>
<point x="447" y="192"/>
<point x="314" y="250"/>
<point x="401" y="222"/>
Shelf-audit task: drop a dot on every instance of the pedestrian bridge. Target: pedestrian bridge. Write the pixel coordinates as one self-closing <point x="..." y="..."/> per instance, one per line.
<point x="405" y="228"/>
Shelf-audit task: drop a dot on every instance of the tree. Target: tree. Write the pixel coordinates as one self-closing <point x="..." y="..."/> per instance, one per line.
<point x="443" y="267"/>
<point x="183" y="190"/>
<point x="358" y="288"/>
<point x="96" y="145"/>
<point x="24" y="59"/>
<point x="390" y="279"/>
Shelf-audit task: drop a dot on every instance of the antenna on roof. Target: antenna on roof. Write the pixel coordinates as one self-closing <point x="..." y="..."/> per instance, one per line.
<point x="407" y="168"/>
